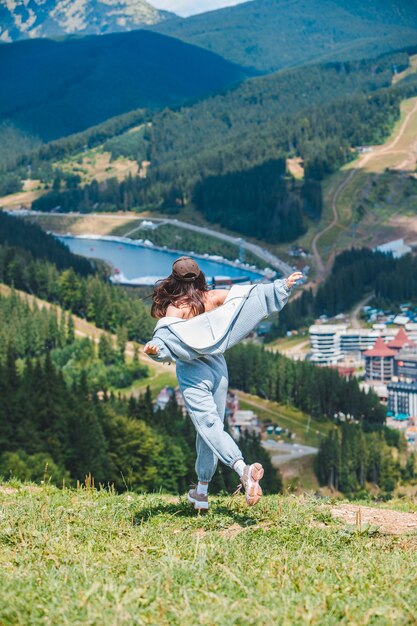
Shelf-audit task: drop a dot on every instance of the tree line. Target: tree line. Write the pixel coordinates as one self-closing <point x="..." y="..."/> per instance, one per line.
<point x="355" y="273"/>
<point x="34" y="261"/>
<point x="31" y="331"/>
<point x="93" y="298"/>
<point x="52" y="430"/>
<point x="350" y="458"/>
<point x="30" y="237"/>
<point x="319" y="392"/>
<point x="258" y="201"/>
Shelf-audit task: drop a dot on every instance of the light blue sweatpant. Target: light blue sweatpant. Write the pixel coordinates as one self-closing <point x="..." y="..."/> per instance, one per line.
<point x="203" y="378"/>
<point x="204" y="383"/>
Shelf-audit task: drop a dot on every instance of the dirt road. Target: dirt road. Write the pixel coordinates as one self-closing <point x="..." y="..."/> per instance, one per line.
<point x="385" y="149"/>
<point x="271" y="259"/>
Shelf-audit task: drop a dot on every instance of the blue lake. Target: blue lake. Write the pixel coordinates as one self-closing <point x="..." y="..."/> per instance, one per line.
<point x="143" y="264"/>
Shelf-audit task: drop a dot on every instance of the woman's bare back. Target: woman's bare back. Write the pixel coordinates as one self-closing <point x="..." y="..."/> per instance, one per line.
<point x="212" y="300"/>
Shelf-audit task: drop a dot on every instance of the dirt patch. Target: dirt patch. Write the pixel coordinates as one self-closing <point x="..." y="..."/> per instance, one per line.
<point x="99" y="166"/>
<point x="295" y="167"/>
<point x="405" y="226"/>
<point x="97" y="225"/>
<point x="389" y="522"/>
<point x="8" y="490"/>
<point x="22" y="199"/>
<point x="232" y="531"/>
<point x="31" y="185"/>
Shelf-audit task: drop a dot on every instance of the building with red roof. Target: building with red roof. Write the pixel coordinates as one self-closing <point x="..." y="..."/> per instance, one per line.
<point x="401" y="340"/>
<point x="379" y="362"/>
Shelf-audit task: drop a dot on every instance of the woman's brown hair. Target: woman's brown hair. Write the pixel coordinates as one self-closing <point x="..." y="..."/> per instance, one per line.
<point x="178" y="292"/>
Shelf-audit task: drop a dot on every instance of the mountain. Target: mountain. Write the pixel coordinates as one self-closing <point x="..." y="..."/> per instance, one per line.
<point x="55" y="88"/>
<point x="271" y="34"/>
<point x="20" y="19"/>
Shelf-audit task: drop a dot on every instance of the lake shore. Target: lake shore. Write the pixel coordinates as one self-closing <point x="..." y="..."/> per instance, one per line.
<point x="119" y="277"/>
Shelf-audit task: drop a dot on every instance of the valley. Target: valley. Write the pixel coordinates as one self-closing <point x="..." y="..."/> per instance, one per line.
<point x="380" y="181"/>
<point x="279" y="153"/>
<point x="94" y="171"/>
<point x="130" y="226"/>
<point x="270" y="135"/>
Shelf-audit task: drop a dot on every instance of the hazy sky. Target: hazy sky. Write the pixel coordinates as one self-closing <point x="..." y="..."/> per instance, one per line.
<point x="191" y="7"/>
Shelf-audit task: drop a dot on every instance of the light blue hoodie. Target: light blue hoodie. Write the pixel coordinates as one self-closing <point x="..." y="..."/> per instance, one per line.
<point x="214" y="332"/>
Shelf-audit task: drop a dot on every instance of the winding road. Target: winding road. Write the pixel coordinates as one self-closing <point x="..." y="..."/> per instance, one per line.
<point x="275" y="262"/>
<point x="271" y="259"/>
<point x="363" y="160"/>
<point x="355" y="315"/>
<point x="282" y="452"/>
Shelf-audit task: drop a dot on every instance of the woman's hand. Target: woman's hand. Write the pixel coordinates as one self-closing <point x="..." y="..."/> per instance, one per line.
<point x="151" y="349"/>
<point x="291" y="280"/>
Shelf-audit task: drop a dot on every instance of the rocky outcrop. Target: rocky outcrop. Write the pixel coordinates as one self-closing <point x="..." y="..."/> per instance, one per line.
<point x="20" y="19"/>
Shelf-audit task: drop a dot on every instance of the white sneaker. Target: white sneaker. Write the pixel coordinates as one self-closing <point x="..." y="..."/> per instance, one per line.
<point x="200" y="500"/>
<point x="252" y="474"/>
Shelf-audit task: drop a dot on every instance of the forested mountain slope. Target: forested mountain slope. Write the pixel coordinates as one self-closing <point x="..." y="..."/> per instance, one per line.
<point x="51" y="18"/>
<point x="272" y="34"/>
<point x="320" y="114"/>
<point x="55" y="88"/>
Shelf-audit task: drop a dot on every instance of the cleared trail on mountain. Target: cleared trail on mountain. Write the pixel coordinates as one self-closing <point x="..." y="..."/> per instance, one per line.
<point x="82" y="328"/>
<point x="323" y="267"/>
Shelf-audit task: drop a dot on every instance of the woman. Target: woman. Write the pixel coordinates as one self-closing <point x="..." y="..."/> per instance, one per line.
<point x="195" y="328"/>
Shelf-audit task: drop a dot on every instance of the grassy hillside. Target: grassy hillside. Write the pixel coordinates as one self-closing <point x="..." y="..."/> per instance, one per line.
<point x="373" y="198"/>
<point x="72" y="84"/>
<point x="272" y="34"/>
<point x="94" y="557"/>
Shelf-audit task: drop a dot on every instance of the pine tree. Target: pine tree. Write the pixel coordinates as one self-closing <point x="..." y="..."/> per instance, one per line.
<point x="70" y="329"/>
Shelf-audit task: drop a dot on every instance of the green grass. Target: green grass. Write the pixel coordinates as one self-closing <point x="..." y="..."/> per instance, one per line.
<point x="155" y="381"/>
<point x="307" y="430"/>
<point x="299" y="475"/>
<point x="367" y="188"/>
<point x="96" y="558"/>
<point x="285" y="343"/>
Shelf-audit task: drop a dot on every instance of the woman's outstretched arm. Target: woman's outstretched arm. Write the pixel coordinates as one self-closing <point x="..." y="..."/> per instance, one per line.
<point x="158" y="351"/>
<point x="291" y="280"/>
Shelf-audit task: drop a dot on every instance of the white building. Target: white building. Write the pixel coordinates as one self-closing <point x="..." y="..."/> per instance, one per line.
<point x="358" y="339"/>
<point x="330" y="343"/>
<point x="397" y="248"/>
<point x="325" y="343"/>
<point x="244" y="422"/>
